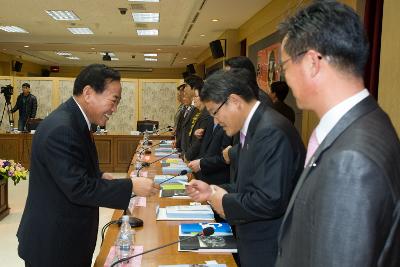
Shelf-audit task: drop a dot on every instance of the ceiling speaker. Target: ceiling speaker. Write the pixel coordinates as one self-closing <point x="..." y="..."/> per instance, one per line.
<point x="216" y="49"/>
<point x="190" y="68"/>
<point x="106" y="57"/>
<point x="17" y="66"/>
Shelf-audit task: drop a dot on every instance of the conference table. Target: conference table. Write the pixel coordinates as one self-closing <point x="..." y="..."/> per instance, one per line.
<point x="157" y="233"/>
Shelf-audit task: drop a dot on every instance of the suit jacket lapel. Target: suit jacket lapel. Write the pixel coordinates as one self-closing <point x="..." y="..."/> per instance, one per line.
<point x="83" y="129"/>
<point x="247" y="142"/>
<point x="365" y="106"/>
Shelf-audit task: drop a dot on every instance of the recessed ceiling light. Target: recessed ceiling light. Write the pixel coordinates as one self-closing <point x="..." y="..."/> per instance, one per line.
<point x="153" y="32"/>
<point x="92" y="48"/>
<point x="62" y="15"/>
<point x="146" y="17"/>
<point x="150" y="59"/>
<point x="202" y="35"/>
<point x="114" y="58"/>
<point x="73" y="58"/>
<point x="148" y="1"/>
<point x="158" y="49"/>
<point x="184" y="58"/>
<point x="80" y="30"/>
<point x="13" y="29"/>
<point x="111" y="54"/>
<point x="62" y="53"/>
<point x="215" y="20"/>
<point x="150" y="55"/>
<point x="26" y="46"/>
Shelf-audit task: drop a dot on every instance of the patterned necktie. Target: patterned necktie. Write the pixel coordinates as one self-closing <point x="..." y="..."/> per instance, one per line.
<point x="186" y="112"/>
<point x="242" y="138"/>
<point x="312" y="146"/>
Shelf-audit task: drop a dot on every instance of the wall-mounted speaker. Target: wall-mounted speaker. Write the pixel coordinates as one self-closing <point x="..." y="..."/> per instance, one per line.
<point x="17" y="66"/>
<point x="190" y="68"/>
<point x="185" y="74"/>
<point x="45" y="73"/>
<point x="216" y="49"/>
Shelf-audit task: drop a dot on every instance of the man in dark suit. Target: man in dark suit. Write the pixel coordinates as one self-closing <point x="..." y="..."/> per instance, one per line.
<point x="198" y="126"/>
<point x="270" y="159"/>
<point x="60" y="221"/>
<point x="242" y="62"/>
<point x="279" y="91"/>
<point x="27" y="106"/>
<point x="181" y="106"/>
<point x="210" y="166"/>
<point x="342" y="211"/>
<point x="187" y="116"/>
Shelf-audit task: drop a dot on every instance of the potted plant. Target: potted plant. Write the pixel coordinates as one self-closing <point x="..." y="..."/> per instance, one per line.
<point x="9" y="170"/>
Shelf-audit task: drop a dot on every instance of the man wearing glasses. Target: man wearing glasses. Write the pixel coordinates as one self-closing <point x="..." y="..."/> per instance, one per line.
<point x="343" y="210"/>
<point x="270" y="160"/>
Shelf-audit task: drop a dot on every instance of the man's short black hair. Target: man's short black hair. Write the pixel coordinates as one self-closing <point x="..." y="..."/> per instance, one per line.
<point x="194" y="81"/>
<point x="331" y="28"/>
<point x="181" y="87"/>
<point x="26" y="85"/>
<point x="241" y="62"/>
<point x="281" y="89"/>
<point x="221" y="84"/>
<point x="97" y="76"/>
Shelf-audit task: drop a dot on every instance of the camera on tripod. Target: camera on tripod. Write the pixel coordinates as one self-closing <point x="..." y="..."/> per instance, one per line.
<point x="8" y="91"/>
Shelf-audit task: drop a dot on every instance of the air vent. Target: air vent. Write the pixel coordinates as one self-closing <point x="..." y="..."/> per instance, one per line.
<point x="196" y="16"/>
<point x="136" y="7"/>
<point x="141" y="26"/>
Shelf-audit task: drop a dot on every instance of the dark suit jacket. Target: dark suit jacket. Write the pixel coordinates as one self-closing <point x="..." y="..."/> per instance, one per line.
<point x="342" y="209"/>
<point x="213" y="169"/>
<point x="285" y="110"/>
<point x="60" y="221"/>
<point x="30" y="106"/>
<point x="269" y="165"/>
<point x="194" y="143"/>
<point x="185" y="127"/>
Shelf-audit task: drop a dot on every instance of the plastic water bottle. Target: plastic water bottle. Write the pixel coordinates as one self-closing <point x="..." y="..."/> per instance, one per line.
<point x="124" y="244"/>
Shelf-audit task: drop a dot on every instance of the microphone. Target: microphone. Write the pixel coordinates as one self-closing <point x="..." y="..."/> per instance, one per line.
<point x="206" y="232"/>
<point x="147" y="164"/>
<point x="183" y="172"/>
<point x="146" y="150"/>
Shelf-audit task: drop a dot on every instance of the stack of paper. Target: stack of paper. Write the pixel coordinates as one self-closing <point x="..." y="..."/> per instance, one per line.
<point x="164" y="154"/>
<point x="221" y="241"/>
<point x="185" y="212"/>
<point x="220" y="229"/>
<point x="175" y="169"/>
<point x="173" y="190"/>
<point x="158" y="179"/>
<point x="165" y="149"/>
<point x="208" y="244"/>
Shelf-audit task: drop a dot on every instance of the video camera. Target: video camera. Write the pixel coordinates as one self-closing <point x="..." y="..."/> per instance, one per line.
<point x="8" y="91"/>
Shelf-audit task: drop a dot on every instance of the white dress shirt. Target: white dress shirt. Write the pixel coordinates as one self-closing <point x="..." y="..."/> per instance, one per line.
<point x="248" y="119"/>
<point x="84" y="115"/>
<point x="331" y="118"/>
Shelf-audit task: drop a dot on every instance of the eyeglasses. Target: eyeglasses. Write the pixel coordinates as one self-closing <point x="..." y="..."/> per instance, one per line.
<point x="279" y="66"/>
<point x="213" y="114"/>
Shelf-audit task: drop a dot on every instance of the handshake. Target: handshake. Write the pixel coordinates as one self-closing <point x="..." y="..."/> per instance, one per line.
<point x="144" y="187"/>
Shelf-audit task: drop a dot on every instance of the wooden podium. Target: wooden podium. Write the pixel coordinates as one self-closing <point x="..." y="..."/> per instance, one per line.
<point x="4" y="208"/>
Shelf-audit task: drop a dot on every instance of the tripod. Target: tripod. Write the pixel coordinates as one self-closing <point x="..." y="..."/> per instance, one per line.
<point x="7" y="105"/>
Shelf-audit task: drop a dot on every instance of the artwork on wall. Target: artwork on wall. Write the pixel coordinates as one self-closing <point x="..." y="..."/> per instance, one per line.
<point x="266" y="56"/>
